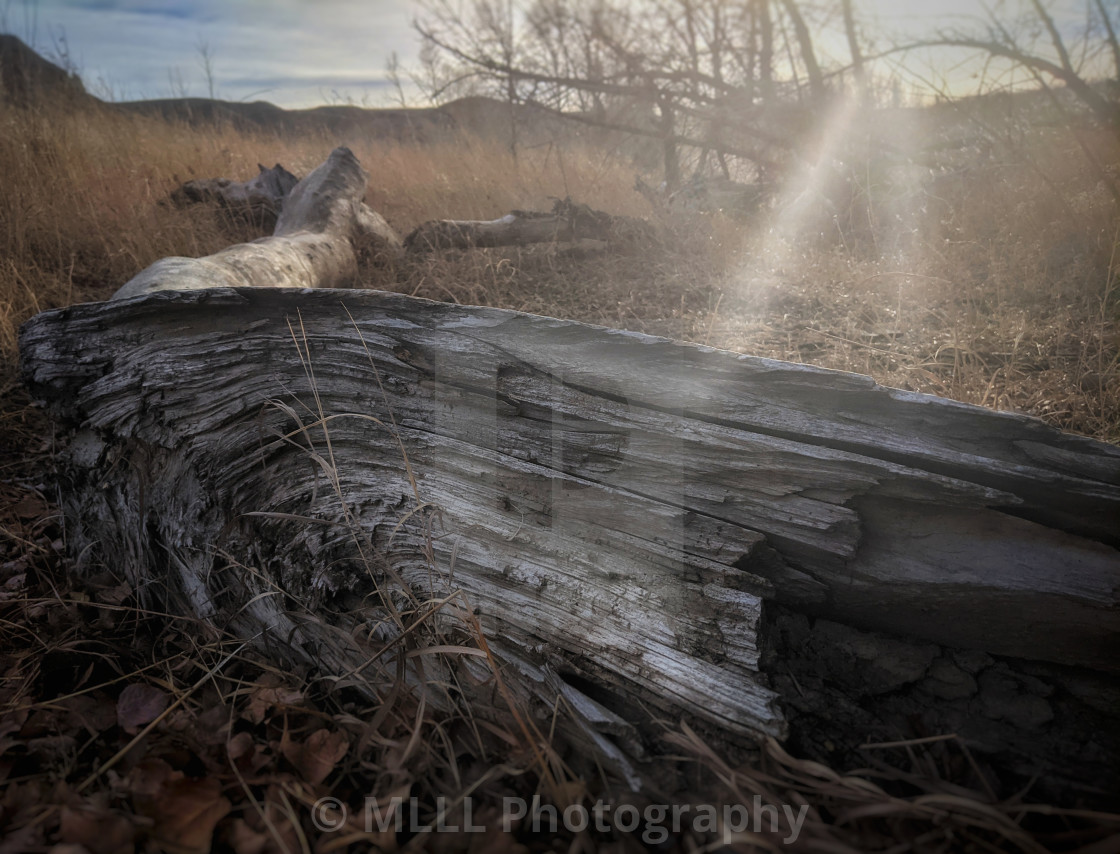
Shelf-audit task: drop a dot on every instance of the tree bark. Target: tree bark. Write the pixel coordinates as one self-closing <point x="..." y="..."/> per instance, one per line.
<point x="859" y="73"/>
<point x="807" y="50"/>
<point x="765" y="51"/>
<point x="317" y="468"/>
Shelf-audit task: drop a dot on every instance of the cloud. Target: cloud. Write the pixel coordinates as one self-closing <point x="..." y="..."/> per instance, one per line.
<point x="285" y="51"/>
<point x="291" y="52"/>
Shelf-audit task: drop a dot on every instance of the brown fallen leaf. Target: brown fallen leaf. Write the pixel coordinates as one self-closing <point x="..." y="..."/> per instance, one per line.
<point x="249" y="756"/>
<point x="244" y="839"/>
<point x="29" y="506"/>
<point x="316" y="757"/>
<point x="145" y="780"/>
<point x="272" y="833"/>
<point x="94" y="713"/>
<point x="265" y="697"/>
<point x="184" y="811"/>
<point x="22" y="839"/>
<point x="139" y="704"/>
<point x="68" y="848"/>
<point x="187" y="812"/>
<point x="201" y="730"/>
<point x="97" y="829"/>
<point x="12" y="721"/>
<point x="113" y="595"/>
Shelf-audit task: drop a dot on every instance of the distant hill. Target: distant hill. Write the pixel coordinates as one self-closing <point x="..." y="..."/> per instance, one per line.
<point x="26" y="79"/>
<point x="481" y="116"/>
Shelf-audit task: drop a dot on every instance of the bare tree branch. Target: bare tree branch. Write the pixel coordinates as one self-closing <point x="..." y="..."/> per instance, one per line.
<point x="805" y="45"/>
<point x="1102" y="107"/>
<point x="1110" y="32"/>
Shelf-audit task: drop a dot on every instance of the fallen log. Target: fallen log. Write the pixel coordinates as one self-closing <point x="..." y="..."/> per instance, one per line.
<point x="566" y="222"/>
<point x="257" y="201"/>
<point x="616" y="512"/>
<point x="313" y="245"/>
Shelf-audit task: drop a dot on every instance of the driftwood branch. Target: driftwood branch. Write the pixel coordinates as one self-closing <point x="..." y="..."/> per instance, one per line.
<point x="257" y="201"/>
<point x="615" y="509"/>
<point x="313" y="245"/>
<point x="565" y="223"/>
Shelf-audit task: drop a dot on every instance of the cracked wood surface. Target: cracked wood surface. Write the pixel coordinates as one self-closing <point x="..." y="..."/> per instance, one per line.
<point x="615" y="507"/>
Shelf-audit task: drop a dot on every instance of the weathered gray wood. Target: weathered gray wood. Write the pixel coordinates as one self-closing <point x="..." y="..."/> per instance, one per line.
<point x="566" y="222"/>
<point x="615" y="507"/>
<point x="257" y="201"/>
<point x="312" y="246"/>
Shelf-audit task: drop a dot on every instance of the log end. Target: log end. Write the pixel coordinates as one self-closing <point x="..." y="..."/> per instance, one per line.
<point x="327" y="199"/>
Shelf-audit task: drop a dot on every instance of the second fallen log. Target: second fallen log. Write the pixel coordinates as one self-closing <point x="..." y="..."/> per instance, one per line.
<point x="565" y="223"/>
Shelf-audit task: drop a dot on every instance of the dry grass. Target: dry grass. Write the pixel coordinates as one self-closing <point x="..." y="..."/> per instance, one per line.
<point x="996" y="286"/>
<point x="999" y="289"/>
<point x="81" y="212"/>
<point x="124" y="729"/>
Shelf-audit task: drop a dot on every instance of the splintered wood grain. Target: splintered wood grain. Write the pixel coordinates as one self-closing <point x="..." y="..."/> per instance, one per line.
<point x="615" y="507"/>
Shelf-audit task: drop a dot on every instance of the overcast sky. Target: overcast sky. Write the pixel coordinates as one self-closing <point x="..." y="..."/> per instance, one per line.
<point x="291" y="52"/>
<point x="295" y="53"/>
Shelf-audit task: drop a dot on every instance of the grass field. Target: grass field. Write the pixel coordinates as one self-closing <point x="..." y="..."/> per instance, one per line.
<point x="995" y="283"/>
<point x="995" y="286"/>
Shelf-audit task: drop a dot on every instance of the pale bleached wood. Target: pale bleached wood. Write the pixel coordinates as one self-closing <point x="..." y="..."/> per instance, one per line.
<point x="313" y="245"/>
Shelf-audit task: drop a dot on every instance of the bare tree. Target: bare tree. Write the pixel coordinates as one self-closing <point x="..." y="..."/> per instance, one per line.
<point x="692" y="74"/>
<point x="393" y="73"/>
<point x="178" y="86"/>
<point x="206" y="61"/>
<point x="1027" y="37"/>
<point x="1003" y="41"/>
<point x="765" y="30"/>
<point x="1110" y="33"/>
<point x="808" y="53"/>
<point x="859" y="72"/>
